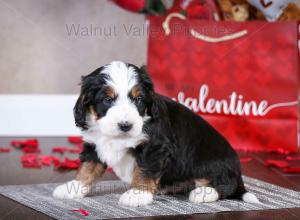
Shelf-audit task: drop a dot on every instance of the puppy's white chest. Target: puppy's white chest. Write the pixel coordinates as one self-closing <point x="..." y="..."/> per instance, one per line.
<point x="117" y="157"/>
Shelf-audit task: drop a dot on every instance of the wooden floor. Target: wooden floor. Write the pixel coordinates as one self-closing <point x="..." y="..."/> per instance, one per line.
<point x="11" y="172"/>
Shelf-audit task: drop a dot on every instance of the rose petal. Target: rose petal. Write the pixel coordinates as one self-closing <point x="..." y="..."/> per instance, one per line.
<point x="5" y="149"/>
<point x="47" y="160"/>
<point x="109" y="170"/>
<point x="292" y="170"/>
<point x="28" y="157"/>
<point x="31" y="165"/>
<point x="33" y="143"/>
<point x="276" y="163"/>
<point x="69" y="164"/>
<point x="59" y="149"/>
<point x="75" y="151"/>
<point x="245" y="159"/>
<point x="56" y="162"/>
<point x="30" y="161"/>
<point x="75" y="139"/>
<point x="31" y="150"/>
<point x="279" y="151"/>
<point x="81" y="211"/>
<point x="293" y="157"/>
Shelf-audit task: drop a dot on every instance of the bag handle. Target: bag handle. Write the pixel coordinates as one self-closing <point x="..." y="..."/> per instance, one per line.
<point x="166" y="27"/>
<point x="166" y="23"/>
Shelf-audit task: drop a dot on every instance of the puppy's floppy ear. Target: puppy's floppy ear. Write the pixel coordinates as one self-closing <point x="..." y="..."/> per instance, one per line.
<point x="90" y="84"/>
<point x="79" y="110"/>
<point x="154" y="106"/>
<point x="145" y="79"/>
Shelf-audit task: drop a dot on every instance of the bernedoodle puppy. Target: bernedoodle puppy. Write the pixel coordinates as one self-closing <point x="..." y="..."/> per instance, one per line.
<point x="150" y="141"/>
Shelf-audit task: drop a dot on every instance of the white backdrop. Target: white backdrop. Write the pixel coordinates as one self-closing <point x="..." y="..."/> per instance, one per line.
<point x="37" y="115"/>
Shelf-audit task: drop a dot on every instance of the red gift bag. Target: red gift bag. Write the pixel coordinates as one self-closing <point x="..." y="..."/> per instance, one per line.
<point x="241" y="77"/>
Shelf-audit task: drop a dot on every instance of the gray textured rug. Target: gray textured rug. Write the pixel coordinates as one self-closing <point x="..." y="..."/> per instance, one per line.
<point x="103" y="203"/>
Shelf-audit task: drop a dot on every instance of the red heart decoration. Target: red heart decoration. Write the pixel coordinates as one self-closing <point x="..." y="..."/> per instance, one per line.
<point x="178" y="58"/>
<point x="242" y="77"/>
<point x="198" y="58"/>
<point x="178" y="42"/>
<point x="242" y="60"/>
<point x="263" y="78"/>
<point x="263" y="47"/>
<point x="160" y="49"/>
<point x="178" y="73"/>
<point x="199" y="72"/>
<point x="284" y="70"/>
<point x="159" y="67"/>
<point x="220" y="79"/>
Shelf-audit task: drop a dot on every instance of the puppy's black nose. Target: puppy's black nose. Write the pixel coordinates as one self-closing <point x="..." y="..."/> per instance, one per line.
<point x="125" y="126"/>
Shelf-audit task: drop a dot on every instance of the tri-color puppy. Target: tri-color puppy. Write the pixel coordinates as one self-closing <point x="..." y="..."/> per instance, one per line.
<point x="150" y="142"/>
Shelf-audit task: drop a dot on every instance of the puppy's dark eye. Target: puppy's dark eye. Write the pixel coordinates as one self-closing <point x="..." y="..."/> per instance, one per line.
<point x="138" y="100"/>
<point x="108" y="100"/>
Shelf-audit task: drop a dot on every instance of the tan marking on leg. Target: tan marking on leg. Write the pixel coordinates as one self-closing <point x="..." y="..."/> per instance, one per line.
<point x="202" y="182"/>
<point x="89" y="172"/>
<point x="141" y="182"/>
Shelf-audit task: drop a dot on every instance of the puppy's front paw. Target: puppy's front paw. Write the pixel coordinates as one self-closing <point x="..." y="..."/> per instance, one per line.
<point x="71" y="190"/>
<point x="135" y="198"/>
<point x="203" y="194"/>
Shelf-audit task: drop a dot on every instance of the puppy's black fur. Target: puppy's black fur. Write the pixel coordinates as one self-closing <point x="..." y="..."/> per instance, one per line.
<point x="182" y="145"/>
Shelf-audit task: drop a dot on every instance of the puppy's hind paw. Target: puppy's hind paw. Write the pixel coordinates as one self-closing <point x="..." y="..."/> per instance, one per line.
<point x="203" y="194"/>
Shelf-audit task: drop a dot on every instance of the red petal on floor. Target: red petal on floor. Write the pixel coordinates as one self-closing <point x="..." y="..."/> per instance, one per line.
<point x="55" y="161"/>
<point x="31" y="165"/>
<point x="5" y="149"/>
<point x="31" y="150"/>
<point x="245" y="159"/>
<point x="33" y="143"/>
<point x="293" y="157"/>
<point x="28" y="157"/>
<point x="279" y="151"/>
<point x="47" y="160"/>
<point x="77" y="149"/>
<point x="276" y="163"/>
<point x="292" y="170"/>
<point x="109" y="170"/>
<point x="60" y="149"/>
<point x="75" y="139"/>
<point x="81" y="211"/>
<point x="69" y="164"/>
<point x="30" y="161"/>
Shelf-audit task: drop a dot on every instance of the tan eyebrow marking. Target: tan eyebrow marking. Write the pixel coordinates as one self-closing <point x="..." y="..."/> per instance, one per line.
<point x="135" y="91"/>
<point x="110" y="92"/>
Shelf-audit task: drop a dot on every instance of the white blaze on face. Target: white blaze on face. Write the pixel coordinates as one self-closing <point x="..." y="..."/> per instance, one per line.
<point x="121" y="79"/>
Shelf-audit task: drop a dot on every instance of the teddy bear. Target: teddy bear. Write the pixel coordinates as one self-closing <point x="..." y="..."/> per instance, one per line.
<point x="270" y="10"/>
<point x="238" y="10"/>
<point x="283" y="10"/>
<point x="290" y="13"/>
